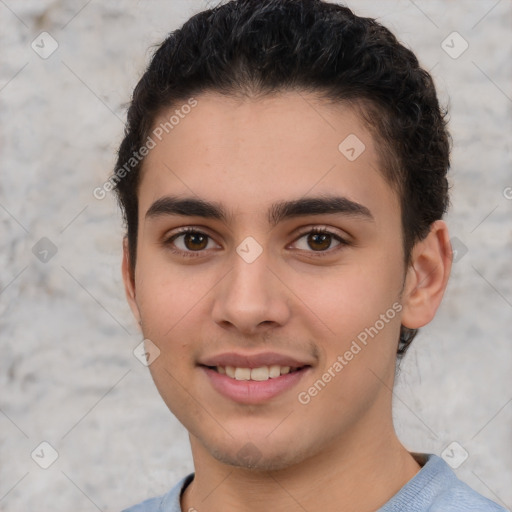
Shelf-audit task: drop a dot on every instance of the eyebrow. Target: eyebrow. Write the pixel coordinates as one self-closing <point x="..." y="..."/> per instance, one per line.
<point x="279" y="211"/>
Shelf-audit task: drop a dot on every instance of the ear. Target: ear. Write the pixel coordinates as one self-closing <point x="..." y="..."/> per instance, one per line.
<point x="129" y="281"/>
<point x="427" y="277"/>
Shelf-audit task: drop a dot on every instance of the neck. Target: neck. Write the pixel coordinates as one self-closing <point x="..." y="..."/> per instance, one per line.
<point x="348" y="476"/>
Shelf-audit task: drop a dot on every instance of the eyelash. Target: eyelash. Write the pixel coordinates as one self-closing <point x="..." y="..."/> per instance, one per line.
<point x="315" y="230"/>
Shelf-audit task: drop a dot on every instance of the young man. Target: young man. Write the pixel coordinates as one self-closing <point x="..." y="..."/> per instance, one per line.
<point x="283" y="181"/>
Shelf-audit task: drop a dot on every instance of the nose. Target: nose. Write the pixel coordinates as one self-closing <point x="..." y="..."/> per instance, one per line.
<point x="251" y="298"/>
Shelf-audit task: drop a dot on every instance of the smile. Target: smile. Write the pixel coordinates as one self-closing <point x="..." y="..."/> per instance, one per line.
<point x="258" y="374"/>
<point x="251" y="386"/>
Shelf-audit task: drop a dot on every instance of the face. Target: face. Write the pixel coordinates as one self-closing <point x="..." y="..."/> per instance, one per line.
<point x="292" y="262"/>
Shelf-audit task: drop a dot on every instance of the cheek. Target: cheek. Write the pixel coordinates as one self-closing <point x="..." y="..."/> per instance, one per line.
<point x="351" y="297"/>
<point x="167" y="294"/>
<point x="362" y="311"/>
<point x="360" y="305"/>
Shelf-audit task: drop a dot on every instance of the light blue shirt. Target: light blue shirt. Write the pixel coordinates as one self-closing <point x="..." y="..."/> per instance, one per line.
<point x="435" y="488"/>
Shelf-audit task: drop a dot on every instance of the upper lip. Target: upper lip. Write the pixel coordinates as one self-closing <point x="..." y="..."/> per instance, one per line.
<point x="252" y="360"/>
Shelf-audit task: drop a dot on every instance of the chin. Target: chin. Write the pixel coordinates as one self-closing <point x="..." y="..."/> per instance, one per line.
<point x="250" y="457"/>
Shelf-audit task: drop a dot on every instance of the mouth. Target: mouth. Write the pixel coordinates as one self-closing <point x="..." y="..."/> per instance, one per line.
<point x="260" y="374"/>
<point x="253" y="380"/>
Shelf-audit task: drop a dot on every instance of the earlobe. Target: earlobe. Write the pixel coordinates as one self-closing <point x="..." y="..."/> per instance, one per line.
<point x="129" y="281"/>
<point x="427" y="277"/>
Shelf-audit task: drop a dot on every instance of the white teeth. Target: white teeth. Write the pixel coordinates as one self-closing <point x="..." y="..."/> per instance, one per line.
<point x="259" y="374"/>
<point x="243" y="374"/>
<point x="274" y="371"/>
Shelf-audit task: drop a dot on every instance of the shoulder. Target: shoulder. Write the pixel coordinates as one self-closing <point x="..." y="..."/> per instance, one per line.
<point x="460" y="497"/>
<point x="169" y="502"/>
<point x="436" y="488"/>
<point x="150" y="505"/>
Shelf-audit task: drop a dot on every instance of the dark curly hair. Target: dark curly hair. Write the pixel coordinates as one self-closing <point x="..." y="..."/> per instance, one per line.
<point x="251" y="48"/>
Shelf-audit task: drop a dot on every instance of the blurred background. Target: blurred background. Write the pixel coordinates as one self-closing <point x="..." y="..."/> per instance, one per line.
<point x="82" y="426"/>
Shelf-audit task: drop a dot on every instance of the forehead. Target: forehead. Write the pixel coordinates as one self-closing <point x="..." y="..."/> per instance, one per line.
<point x="248" y="152"/>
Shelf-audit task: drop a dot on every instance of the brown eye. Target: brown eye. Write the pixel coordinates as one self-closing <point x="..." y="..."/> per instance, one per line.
<point x="195" y="241"/>
<point x="319" y="241"/>
<point x="189" y="242"/>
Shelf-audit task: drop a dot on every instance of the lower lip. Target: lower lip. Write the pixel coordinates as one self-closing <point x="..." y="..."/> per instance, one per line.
<point x="253" y="391"/>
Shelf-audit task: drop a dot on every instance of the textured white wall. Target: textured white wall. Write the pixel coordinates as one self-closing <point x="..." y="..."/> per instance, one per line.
<point x="67" y="372"/>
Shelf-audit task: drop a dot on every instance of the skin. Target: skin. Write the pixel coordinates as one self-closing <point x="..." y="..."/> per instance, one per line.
<point x="339" y="451"/>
